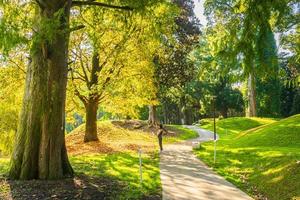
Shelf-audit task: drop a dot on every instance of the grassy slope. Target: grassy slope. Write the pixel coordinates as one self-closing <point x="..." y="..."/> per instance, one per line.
<point x="182" y="134"/>
<point x="116" y="157"/>
<point x="258" y="156"/>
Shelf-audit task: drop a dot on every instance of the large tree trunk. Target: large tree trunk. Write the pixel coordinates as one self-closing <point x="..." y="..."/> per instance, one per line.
<point x="91" y="121"/>
<point x="152" y="119"/>
<point x="251" y="96"/>
<point x="40" y="151"/>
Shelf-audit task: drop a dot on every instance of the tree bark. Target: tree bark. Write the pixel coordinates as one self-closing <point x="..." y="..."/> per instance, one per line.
<point x="152" y="119"/>
<point x="40" y="150"/>
<point x="251" y="96"/>
<point x="165" y="110"/>
<point x="224" y="112"/>
<point x="91" y="105"/>
<point x="91" y="121"/>
<point x="188" y="117"/>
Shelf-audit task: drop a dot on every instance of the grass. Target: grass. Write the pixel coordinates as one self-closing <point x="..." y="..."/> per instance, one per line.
<point x="182" y="134"/>
<point x="115" y="158"/>
<point x="4" y="164"/>
<point x="235" y="124"/>
<point x="260" y="156"/>
<point x="123" y="167"/>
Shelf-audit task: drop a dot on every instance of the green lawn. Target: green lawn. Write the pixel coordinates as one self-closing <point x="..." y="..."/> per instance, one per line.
<point x="261" y="156"/>
<point x="123" y="167"/>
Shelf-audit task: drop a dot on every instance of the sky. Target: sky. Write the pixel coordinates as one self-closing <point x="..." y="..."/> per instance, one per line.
<point x="199" y="10"/>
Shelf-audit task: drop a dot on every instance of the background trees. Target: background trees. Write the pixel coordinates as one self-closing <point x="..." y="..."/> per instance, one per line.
<point x="173" y="68"/>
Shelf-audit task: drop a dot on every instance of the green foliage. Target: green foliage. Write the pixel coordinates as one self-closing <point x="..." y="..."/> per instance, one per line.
<point x="245" y="36"/>
<point x="259" y="157"/>
<point x="48" y="30"/>
<point x="125" y="44"/>
<point x="296" y="103"/>
<point x="12" y="25"/>
<point x="11" y="85"/>
<point x="268" y="97"/>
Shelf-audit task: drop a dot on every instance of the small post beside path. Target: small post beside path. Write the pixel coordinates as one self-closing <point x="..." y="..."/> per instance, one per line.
<point x="215" y="134"/>
<point x="215" y="151"/>
<point x="141" y="172"/>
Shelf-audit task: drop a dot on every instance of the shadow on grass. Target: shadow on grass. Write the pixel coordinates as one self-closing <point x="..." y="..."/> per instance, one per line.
<point x="103" y="176"/>
<point x="80" y="187"/>
<point x="124" y="167"/>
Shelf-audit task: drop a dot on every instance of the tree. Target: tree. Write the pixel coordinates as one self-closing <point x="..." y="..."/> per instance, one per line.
<point x="173" y="67"/>
<point x="104" y="37"/>
<point x="104" y="53"/>
<point x="40" y="150"/>
<point x="247" y="35"/>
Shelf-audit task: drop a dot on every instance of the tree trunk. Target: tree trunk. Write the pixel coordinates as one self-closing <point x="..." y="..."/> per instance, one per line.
<point x="251" y="96"/>
<point x="188" y="116"/>
<point x="165" y="110"/>
<point x="152" y="119"/>
<point x="40" y="151"/>
<point x="224" y="112"/>
<point x="91" y="121"/>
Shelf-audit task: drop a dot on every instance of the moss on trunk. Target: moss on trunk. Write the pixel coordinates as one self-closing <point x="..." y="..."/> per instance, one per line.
<point x="40" y="151"/>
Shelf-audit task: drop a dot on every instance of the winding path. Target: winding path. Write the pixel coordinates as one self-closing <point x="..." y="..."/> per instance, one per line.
<point x="184" y="177"/>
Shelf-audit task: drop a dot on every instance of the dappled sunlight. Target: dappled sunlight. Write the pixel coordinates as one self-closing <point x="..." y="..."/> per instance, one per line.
<point x="235" y="161"/>
<point x="234" y="125"/>
<point x="123" y="167"/>
<point x="277" y="179"/>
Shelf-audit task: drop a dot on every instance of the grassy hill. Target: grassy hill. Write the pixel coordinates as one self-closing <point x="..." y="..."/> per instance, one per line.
<point x="107" y="169"/>
<point x="123" y="136"/>
<point x="261" y="156"/>
<point x="235" y="125"/>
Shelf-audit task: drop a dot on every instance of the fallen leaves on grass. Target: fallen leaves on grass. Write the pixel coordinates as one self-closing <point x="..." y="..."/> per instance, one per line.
<point x="116" y="136"/>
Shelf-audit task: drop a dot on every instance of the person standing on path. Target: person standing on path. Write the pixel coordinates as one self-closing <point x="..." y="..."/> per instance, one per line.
<point x="160" y="133"/>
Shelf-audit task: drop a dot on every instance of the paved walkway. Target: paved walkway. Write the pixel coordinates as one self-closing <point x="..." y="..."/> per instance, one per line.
<point x="184" y="177"/>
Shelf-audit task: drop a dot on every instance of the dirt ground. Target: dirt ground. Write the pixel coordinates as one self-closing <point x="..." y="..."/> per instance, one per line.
<point x="78" y="188"/>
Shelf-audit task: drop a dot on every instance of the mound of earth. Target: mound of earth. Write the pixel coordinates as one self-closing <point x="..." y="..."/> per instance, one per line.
<point x="114" y="136"/>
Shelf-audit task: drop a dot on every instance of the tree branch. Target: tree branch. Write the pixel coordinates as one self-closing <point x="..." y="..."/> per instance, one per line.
<point x="93" y="3"/>
<point x="76" y="28"/>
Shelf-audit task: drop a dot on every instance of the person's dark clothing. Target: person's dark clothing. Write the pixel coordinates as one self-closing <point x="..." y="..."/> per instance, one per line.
<point x="159" y="135"/>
